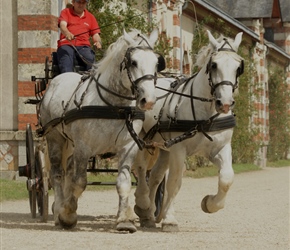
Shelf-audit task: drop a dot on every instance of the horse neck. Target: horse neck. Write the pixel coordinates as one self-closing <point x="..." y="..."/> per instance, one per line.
<point x="114" y="80"/>
<point x="111" y="77"/>
<point x="199" y="87"/>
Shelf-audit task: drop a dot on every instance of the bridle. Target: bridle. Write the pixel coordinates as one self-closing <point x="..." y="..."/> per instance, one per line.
<point x="192" y="127"/>
<point x="128" y="64"/>
<point x="209" y="68"/>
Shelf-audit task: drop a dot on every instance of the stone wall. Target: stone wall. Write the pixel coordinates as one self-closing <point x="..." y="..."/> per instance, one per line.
<point x="31" y="32"/>
<point x="8" y="85"/>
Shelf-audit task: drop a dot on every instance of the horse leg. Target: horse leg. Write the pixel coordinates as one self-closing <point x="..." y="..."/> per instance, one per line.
<point x="142" y="200"/>
<point x="213" y="203"/>
<point x="147" y="216"/>
<point x="173" y="184"/>
<point x="125" y="215"/>
<point x="75" y="184"/>
<point x="56" y="171"/>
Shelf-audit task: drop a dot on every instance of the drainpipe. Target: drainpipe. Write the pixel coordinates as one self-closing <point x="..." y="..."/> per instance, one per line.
<point x="150" y="11"/>
<point x="183" y="5"/>
<point x="264" y="160"/>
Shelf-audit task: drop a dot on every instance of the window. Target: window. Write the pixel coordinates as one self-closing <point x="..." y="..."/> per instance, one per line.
<point x="269" y="35"/>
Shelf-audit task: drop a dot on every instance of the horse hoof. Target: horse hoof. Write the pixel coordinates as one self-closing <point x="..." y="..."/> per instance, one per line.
<point x="203" y="204"/>
<point x="126" y="226"/>
<point x="139" y="211"/>
<point x="67" y="225"/>
<point x="170" y="228"/>
<point x="147" y="223"/>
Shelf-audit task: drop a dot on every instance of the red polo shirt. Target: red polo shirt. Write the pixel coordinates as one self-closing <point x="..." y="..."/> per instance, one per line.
<point x="86" y="25"/>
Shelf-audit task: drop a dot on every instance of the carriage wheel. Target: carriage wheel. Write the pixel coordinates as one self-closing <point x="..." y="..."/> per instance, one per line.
<point x="30" y="158"/>
<point x="41" y="187"/>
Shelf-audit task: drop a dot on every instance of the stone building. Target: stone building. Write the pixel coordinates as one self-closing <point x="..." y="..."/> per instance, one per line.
<point x="29" y="33"/>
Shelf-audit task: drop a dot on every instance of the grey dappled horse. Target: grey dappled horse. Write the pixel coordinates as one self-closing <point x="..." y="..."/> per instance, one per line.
<point x="76" y="116"/>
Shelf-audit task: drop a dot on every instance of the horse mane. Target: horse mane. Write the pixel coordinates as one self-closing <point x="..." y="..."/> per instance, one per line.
<point x="109" y="66"/>
<point x="115" y="52"/>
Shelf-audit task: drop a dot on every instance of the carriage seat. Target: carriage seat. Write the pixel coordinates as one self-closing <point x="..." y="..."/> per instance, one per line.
<point x="55" y="68"/>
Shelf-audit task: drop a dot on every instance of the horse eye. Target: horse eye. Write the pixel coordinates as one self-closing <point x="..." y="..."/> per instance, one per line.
<point x="134" y="63"/>
<point x="214" y="66"/>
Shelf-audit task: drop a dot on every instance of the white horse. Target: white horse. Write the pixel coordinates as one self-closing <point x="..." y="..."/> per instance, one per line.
<point x="81" y="118"/>
<point x="195" y="117"/>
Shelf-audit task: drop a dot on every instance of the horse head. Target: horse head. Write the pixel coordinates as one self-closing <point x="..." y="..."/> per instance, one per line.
<point x="223" y="69"/>
<point x="141" y="64"/>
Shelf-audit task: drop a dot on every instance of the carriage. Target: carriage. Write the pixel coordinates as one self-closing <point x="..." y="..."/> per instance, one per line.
<point x="180" y="117"/>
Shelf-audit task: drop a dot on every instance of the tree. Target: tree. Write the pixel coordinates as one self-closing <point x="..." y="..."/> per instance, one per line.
<point x="114" y="16"/>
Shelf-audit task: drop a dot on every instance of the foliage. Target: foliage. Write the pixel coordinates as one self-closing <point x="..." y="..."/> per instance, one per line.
<point x="279" y="119"/>
<point x="13" y="190"/>
<point x="113" y="17"/>
<point x="280" y="163"/>
<point x="244" y="146"/>
<point x="244" y="143"/>
<point x="213" y="170"/>
<point x="197" y="161"/>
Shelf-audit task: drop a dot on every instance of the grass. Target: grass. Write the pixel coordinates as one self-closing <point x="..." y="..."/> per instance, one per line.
<point x="13" y="190"/>
<point x="104" y="178"/>
<point x="213" y="170"/>
<point x="280" y="163"/>
<point x="16" y="190"/>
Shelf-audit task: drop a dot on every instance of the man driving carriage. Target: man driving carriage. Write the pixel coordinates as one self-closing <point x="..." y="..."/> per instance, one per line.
<point x="77" y="25"/>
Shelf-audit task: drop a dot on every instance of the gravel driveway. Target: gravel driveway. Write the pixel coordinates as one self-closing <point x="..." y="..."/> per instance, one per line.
<point x="256" y="216"/>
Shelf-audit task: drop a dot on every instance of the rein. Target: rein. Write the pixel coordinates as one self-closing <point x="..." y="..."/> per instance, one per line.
<point x="81" y="56"/>
<point x="99" y="85"/>
<point x="129" y="114"/>
<point x="191" y="128"/>
<point x="127" y="64"/>
<point x="209" y="67"/>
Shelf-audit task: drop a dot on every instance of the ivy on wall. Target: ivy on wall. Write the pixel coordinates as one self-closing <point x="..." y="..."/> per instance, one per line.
<point x="279" y="119"/>
<point x="113" y="18"/>
<point x="244" y="142"/>
<point x="244" y="146"/>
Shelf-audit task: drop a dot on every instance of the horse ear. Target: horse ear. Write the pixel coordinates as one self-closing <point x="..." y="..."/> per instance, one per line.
<point x="237" y="41"/>
<point x="153" y="37"/>
<point x="128" y="38"/>
<point x="161" y="62"/>
<point x="212" y="40"/>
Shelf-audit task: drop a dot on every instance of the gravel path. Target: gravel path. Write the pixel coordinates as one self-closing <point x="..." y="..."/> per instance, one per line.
<point x="256" y="216"/>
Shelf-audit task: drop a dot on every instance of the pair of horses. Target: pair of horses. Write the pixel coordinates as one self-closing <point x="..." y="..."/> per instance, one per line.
<point x="121" y="101"/>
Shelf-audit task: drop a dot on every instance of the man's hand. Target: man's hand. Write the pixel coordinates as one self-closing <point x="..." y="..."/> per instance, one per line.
<point x="97" y="41"/>
<point x="69" y="36"/>
<point x="98" y="44"/>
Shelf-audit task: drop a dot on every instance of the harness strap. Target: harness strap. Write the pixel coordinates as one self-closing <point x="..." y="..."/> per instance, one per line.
<point x="91" y="112"/>
<point x="191" y="128"/>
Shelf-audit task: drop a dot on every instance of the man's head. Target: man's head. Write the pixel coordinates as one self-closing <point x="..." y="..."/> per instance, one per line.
<point x="79" y="6"/>
<point x="81" y="1"/>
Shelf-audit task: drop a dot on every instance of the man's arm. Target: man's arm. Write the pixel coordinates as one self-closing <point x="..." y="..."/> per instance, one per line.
<point x="64" y="30"/>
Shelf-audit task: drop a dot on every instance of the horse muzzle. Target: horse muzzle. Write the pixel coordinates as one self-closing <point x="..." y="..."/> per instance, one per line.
<point x="145" y="104"/>
<point x="223" y="107"/>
